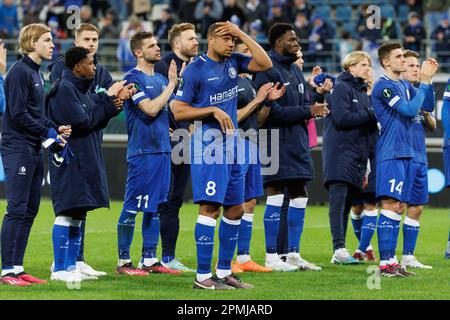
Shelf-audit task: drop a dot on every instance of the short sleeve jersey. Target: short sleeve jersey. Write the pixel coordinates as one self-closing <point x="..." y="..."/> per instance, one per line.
<point x="146" y="135"/>
<point x="207" y="83"/>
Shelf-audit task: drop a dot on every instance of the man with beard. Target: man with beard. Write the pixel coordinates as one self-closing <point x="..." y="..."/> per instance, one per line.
<point x="184" y="43"/>
<point x="148" y="155"/>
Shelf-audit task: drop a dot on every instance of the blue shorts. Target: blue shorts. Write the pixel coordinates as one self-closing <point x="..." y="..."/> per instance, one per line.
<point x="447" y="166"/>
<point x="252" y="172"/>
<point x="148" y="182"/>
<point x="419" y="180"/>
<point x="393" y="179"/>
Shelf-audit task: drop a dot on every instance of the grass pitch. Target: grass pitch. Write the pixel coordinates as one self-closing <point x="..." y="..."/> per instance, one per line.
<point x="333" y="282"/>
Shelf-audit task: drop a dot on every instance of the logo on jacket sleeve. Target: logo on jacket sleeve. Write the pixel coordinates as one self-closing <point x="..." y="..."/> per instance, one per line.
<point x="387" y="93"/>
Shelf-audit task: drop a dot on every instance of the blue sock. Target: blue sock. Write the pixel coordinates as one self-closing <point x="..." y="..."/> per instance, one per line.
<point x="245" y="234"/>
<point x="448" y="244"/>
<point x="125" y="231"/>
<point x="167" y="259"/>
<point x="204" y="239"/>
<point x="150" y="234"/>
<point x="394" y="239"/>
<point x="410" y="233"/>
<point x="74" y="245"/>
<point x="385" y="229"/>
<point x="295" y="219"/>
<point x="60" y="238"/>
<point x="357" y="222"/>
<point x="272" y="221"/>
<point x="228" y="235"/>
<point x="369" y="224"/>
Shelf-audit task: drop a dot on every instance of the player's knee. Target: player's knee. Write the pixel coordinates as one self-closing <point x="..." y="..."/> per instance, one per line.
<point x="127" y="218"/>
<point x="414" y="212"/>
<point x="357" y="210"/>
<point x="249" y="206"/>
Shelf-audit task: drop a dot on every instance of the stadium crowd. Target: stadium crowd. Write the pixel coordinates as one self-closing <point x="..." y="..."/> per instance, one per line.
<point x="323" y="26"/>
<point x="373" y="156"/>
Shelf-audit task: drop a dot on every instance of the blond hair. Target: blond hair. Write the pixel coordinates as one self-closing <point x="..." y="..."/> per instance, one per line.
<point x="355" y="57"/>
<point x="177" y="29"/>
<point x="29" y="34"/>
<point x="86" y="27"/>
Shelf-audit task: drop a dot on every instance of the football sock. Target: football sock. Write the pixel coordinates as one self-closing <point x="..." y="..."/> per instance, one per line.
<point x="357" y="222"/>
<point x="150" y="237"/>
<point x="410" y="233"/>
<point x="60" y="238"/>
<point x="245" y="235"/>
<point x="83" y="232"/>
<point x="74" y="245"/>
<point x="228" y="235"/>
<point x="385" y="229"/>
<point x="125" y="231"/>
<point x="296" y="219"/>
<point x="204" y="239"/>
<point x="369" y="224"/>
<point x="394" y="239"/>
<point x="272" y="221"/>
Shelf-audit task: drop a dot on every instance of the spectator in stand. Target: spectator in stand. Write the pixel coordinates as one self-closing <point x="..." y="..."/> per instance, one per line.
<point x="58" y="34"/>
<point x="162" y="27"/>
<point x="141" y="9"/>
<point x="121" y="7"/>
<point x="276" y="16"/>
<point x="109" y="25"/>
<point x="363" y="15"/>
<point x="187" y="12"/>
<point x="31" y="10"/>
<point x="275" y="3"/>
<point x="124" y="54"/>
<point x="293" y="7"/>
<point x="86" y="15"/>
<point x="388" y="29"/>
<point x="256" y="10"/>
<point x="302" y="29"/>
<point x="442" y="44"/>
<point x="414" y="33"/>
<point x="347" y="45"/>
<point x="9" y="21"/>
<point x="319" y="46"/>
<point x="434" y="9"/>
<point x="257" y="33"/>
<point x="208" y="12"/>
<point x="414" y="5"/>
<point x="233" y="9"/>
<point x="99" y="6"/>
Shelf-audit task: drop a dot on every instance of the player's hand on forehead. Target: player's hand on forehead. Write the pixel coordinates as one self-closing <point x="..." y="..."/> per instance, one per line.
<point x="228" y="28"/>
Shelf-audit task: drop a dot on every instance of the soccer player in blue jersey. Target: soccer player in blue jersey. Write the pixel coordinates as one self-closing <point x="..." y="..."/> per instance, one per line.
<point x="419" y="165"/>
<point x="395" y="109"/>
<point x="446" y="146"/>
<point x="250" y="104"/>
<point x="24" y="129"/>
<point x="208" y="91"/>
<point x="148" y="155"/>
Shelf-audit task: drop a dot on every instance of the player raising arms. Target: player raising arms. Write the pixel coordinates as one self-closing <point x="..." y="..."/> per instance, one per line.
<point x="148" y="155"/>
<point x="395" y="110"/>
<point x="209" y="91"/>
<point x="419" y="166"/>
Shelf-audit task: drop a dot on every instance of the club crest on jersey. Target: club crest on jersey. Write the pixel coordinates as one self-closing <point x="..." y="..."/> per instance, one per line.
<point x="232" y="72"/>
<point x="387" y="93"/>
<point x="301" y="89"/>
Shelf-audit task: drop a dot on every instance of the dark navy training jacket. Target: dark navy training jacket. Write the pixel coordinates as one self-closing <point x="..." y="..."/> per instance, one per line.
<point x="289" y="115"/>
<point x="81" y="183"/>
<point x="24" y="122"/>
<point x="347" y="132"/>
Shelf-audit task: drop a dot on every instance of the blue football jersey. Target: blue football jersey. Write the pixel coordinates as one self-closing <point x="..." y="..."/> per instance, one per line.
<point x="146" y="135"/>
<point x="395" y="139"/>
<point x="446" y="98"/>
<point x="207" y="83"/>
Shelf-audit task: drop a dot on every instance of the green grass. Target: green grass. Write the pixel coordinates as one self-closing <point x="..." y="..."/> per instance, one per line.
<point x="333" y="282"/>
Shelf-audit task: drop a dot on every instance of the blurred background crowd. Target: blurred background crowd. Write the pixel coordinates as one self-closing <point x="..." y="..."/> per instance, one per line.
<point x="327" y="29"/>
